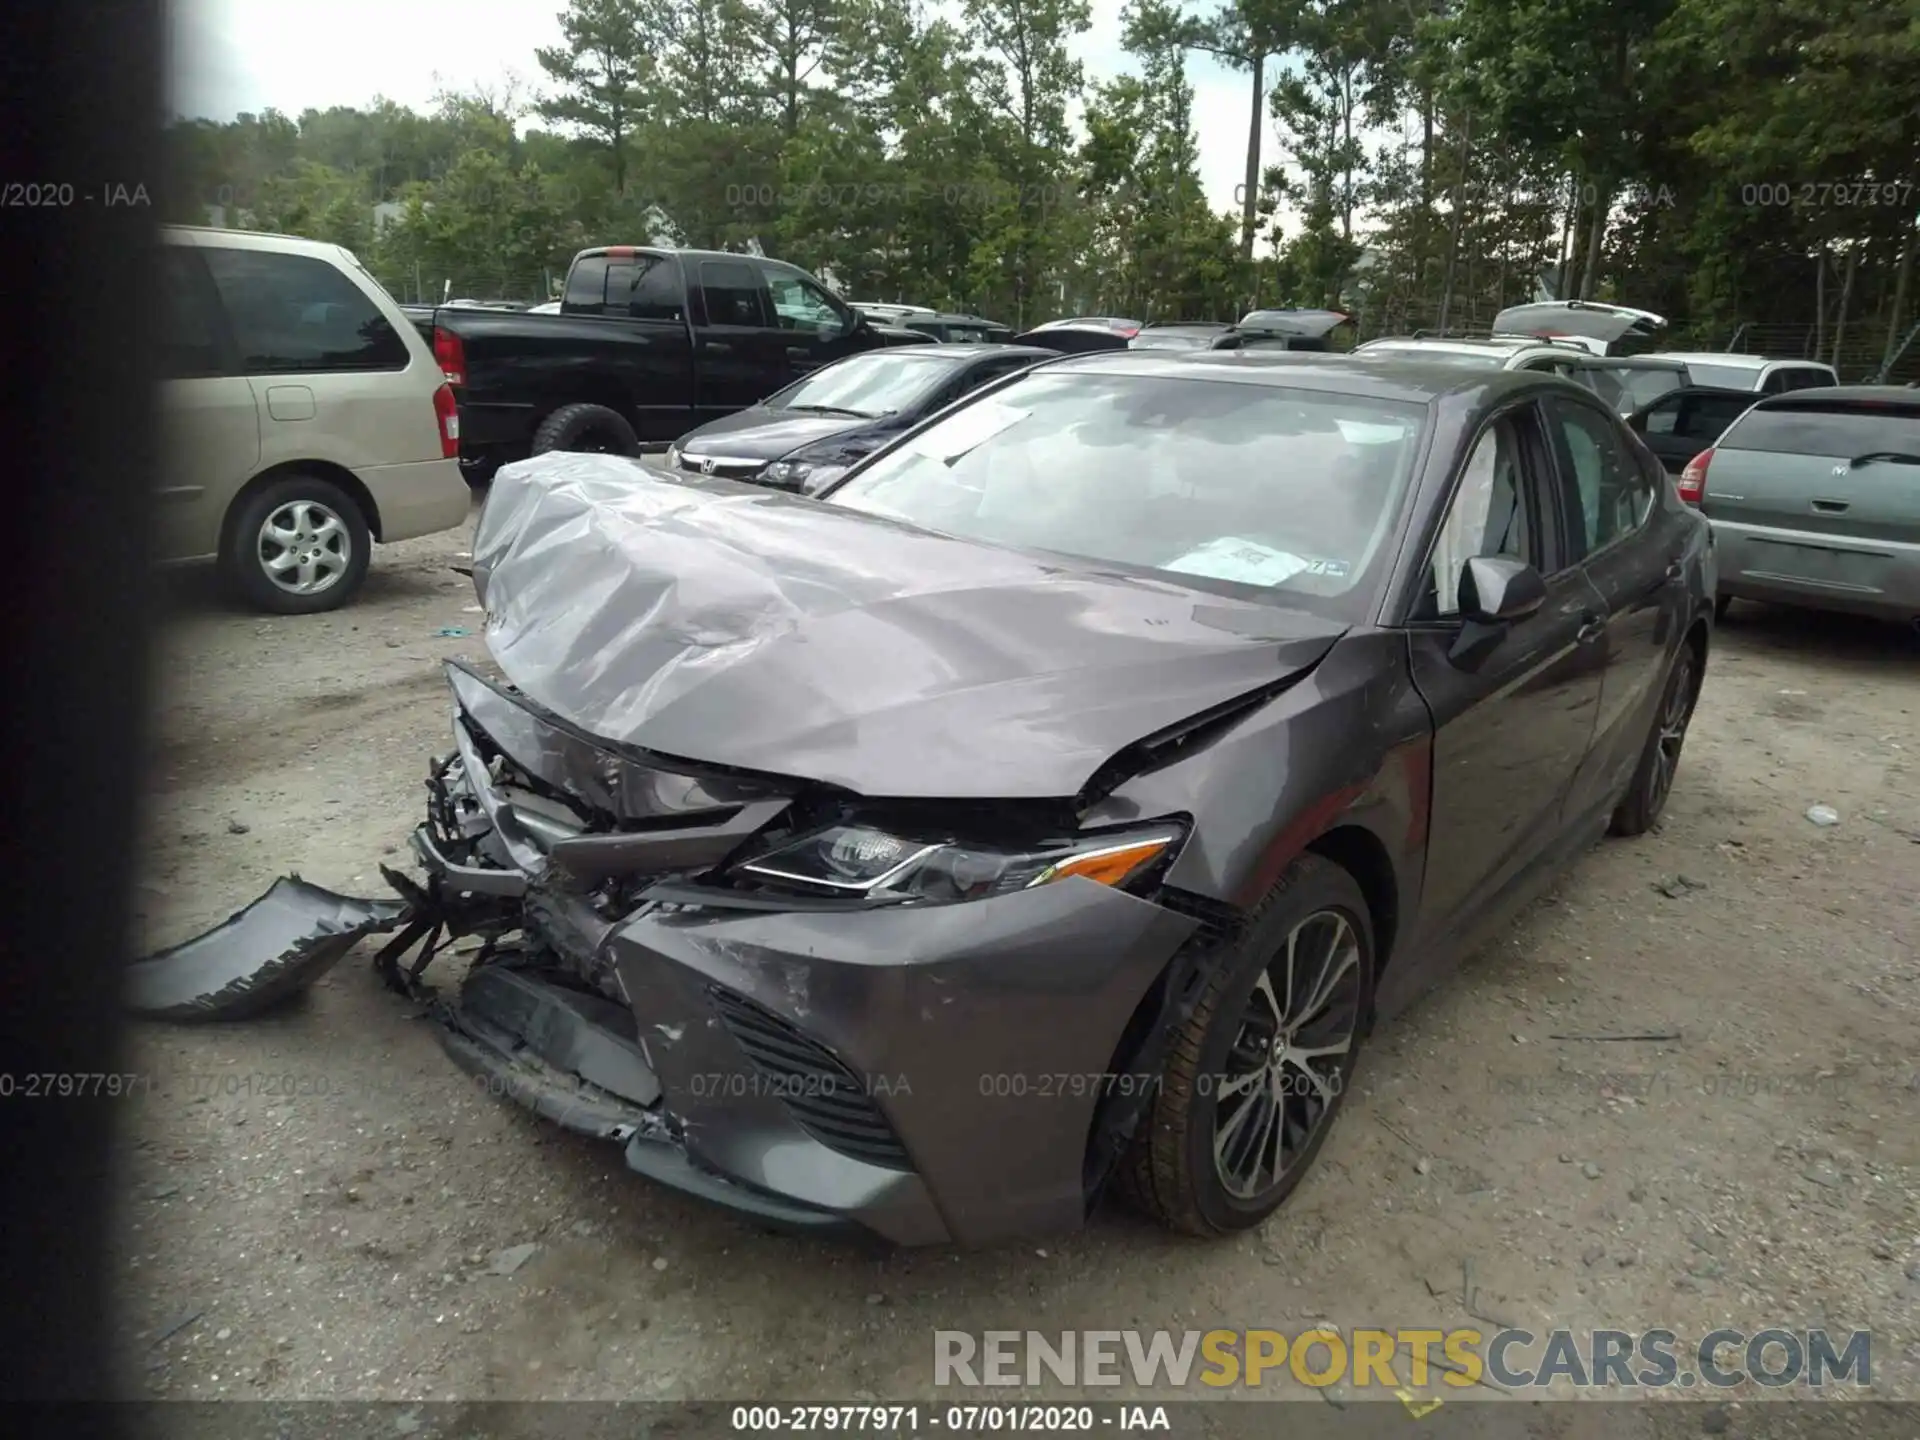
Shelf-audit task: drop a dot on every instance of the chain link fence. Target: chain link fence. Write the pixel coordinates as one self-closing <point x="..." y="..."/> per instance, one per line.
<point x="419" y="287"/>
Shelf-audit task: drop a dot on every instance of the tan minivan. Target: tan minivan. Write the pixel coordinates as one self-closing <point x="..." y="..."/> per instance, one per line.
<point x="304" y="418"/>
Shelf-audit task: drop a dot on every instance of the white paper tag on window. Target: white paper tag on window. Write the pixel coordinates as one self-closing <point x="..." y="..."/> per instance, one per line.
<point x="1245" y="562"/>
<point x="967" y="430"/>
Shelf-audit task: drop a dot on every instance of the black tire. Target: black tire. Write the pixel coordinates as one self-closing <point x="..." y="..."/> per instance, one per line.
<point x="303" y="507"/>
<point x="1720" y="605"/>
<point x="1170" y="1171"/>
<point x="586" y="429"/>
<point x="1652" y="780"/>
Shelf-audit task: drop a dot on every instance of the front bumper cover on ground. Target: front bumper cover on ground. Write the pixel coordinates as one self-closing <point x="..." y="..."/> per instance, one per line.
<point x="259" y="956"/>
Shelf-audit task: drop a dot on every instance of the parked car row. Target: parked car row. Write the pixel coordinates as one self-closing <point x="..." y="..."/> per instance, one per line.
<point x="308" y="419"/>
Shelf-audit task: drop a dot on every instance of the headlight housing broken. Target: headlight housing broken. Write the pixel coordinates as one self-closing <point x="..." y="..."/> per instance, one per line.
<point x="856" y="860"/>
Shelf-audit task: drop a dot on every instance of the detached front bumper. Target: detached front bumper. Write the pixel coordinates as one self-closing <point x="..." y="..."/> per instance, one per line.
<point x="930" y="1074"/>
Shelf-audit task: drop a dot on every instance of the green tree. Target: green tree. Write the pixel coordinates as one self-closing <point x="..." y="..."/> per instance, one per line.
<point x="602" y="72"/>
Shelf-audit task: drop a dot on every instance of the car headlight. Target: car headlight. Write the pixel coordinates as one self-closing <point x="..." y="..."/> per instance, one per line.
<point x="673" y="457"/>
<point x="808" y="477"/>
<point x="853" y="859"/>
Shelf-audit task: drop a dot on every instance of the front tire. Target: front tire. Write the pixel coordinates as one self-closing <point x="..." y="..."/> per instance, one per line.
<point x="297" y="546"/>
<point x="1660" y="761"/>
<point x="1256" y="1076"/>
<point x="586" y="429"/>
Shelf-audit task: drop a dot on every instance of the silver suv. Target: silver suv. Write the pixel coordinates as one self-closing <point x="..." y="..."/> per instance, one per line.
<point x="1625" y="382"/>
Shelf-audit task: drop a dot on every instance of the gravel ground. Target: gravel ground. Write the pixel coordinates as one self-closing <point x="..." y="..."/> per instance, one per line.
<point x="336" y="1214"/>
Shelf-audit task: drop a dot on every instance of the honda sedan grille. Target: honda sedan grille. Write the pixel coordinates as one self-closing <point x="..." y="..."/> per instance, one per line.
<point x="826" y="1098"/>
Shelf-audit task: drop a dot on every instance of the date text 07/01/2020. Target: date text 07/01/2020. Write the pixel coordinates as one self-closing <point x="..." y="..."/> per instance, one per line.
<point x="950" y="1419"/>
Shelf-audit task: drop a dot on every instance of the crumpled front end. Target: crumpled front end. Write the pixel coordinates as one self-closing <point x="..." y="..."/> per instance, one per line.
<point x="929" y="1073"/>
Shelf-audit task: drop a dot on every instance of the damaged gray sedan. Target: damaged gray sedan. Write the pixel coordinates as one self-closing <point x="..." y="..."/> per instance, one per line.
<point x="1060" y="800"/>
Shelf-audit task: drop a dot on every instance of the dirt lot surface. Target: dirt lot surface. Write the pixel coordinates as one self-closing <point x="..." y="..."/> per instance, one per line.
<point x="326" y="1202"/>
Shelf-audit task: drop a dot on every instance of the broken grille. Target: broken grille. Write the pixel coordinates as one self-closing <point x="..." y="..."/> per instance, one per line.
<point x="825" y="1097"/>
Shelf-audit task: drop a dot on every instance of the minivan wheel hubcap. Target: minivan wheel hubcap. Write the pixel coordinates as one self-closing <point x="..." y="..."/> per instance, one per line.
<point x="1284" y="1073"/>
<point x="305" y="547"/>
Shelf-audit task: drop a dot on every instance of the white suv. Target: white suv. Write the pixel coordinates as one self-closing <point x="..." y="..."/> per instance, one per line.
<point x="1730" y="371"/>
<point x="1625" y="382"/>
<point x="304" y="418"/>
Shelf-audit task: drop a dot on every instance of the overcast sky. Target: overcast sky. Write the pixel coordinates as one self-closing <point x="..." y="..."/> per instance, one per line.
<point x="234" y="55"/>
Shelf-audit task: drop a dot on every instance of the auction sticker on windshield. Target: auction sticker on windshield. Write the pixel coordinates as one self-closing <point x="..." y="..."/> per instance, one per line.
<point x="1245" y="562"/>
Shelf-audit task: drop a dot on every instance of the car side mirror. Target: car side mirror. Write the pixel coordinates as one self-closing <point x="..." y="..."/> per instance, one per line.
<point x="1494" y="592"/>
<point x="1498" y="590"/>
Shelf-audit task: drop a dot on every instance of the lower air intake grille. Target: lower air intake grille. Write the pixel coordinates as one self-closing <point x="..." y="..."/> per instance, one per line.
<point x="827" y="1099"/>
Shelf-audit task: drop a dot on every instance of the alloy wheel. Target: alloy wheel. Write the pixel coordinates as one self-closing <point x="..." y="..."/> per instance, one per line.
<point x="1283" y="1077"/>
<point x="1675" y="713"/>
<point x="304" y="547"/>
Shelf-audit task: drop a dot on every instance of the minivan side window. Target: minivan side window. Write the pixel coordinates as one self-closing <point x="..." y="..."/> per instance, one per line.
<point x="298" y="315"/>
<point x="190" y="347"/>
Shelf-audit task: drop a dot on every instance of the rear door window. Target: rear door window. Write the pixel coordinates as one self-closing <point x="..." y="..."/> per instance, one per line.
<point x="297" y="314"/>
<point x="731" y="290"/>
<point x="658" y="293"/>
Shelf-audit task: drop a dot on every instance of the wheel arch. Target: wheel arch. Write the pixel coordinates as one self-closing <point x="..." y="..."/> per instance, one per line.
<point x="291" y="469"/>
<point x="1363" y="855"/>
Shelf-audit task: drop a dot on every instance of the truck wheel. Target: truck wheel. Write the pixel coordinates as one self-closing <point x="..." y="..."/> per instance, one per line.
<point x="297" y="547"/>
<point x="586" y="429"/>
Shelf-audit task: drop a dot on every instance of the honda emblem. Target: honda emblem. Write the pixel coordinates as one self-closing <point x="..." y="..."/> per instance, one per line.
<point x="706" y="466"/>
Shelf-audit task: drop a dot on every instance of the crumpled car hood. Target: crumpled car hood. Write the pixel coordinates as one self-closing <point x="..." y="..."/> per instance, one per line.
<point x="722" y="622"/>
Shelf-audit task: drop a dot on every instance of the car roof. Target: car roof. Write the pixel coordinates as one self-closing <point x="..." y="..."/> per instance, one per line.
<point x="958" y="354"/>
<point x="1219" y="325"/>
<point x="252" y="240"/>
<point x="1732" y="360"/>
<point x="1465" y="344"/>
<point x="1417" y="382"/>
<point x="1858" y="394"/>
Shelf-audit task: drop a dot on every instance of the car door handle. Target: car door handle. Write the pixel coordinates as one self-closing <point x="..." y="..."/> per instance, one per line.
<point x="1830" y="507"/>
<point x="719" y="347"/>
<point x="799" y="352"/>
<point x="1592" y="630"/>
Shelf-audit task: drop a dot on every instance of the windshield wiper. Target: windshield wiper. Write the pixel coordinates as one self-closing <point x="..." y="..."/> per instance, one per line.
<point x="1896" y="457"/>
<point x="831" y="410"/>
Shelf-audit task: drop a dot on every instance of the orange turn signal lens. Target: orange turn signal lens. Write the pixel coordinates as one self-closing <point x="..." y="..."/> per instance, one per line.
<point x="1111" y="866"/>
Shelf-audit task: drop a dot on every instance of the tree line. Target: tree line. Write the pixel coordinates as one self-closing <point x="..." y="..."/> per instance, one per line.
<point x="1750" y="168"/>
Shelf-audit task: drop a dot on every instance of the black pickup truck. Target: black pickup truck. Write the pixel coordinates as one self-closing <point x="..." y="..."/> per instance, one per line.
<point x="649" y="343"/>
